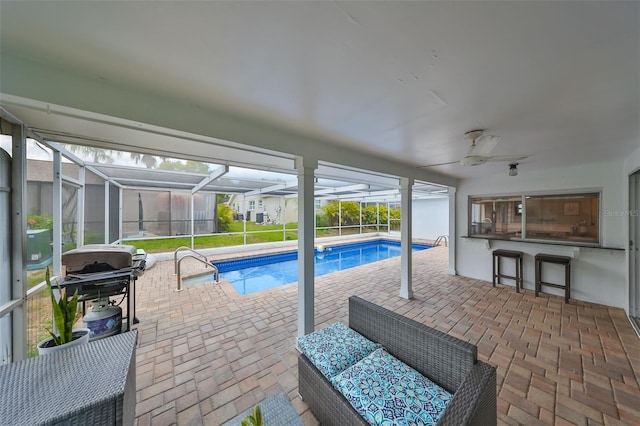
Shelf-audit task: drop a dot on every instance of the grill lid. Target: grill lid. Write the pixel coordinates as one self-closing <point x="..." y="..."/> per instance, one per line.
<point x="98" y="258"/>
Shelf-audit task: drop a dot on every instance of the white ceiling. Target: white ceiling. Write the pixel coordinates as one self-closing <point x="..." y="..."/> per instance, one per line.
<point x="557" y="81"/>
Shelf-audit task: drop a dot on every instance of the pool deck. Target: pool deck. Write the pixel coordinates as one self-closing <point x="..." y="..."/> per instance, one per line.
<point x="206" y="354"/>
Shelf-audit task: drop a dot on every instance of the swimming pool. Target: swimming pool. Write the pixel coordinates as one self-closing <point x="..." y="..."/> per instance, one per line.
<point x="257" y="273"/>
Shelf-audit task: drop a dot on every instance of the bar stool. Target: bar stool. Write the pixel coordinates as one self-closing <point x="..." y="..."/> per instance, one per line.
<point x="509" y="254"/>
<point x="558" y="260"/>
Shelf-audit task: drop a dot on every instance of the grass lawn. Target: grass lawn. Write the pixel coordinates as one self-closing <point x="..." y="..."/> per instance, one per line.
<point x="264" y="234"/>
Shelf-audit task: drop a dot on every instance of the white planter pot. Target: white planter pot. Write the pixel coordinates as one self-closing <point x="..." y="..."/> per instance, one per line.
<point x="80" y="337"/>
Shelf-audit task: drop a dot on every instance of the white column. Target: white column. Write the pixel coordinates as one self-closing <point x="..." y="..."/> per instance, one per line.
<point x="57" y="212"/>
<point x="192" y="221"/>
<point x="452" y="230"/>
<point x="406" y="292"/>
<point x="80" y="207"/>
<point x="6" y="257"/>
<point x="19" y="240"/>
<point x="388" y="219"/>
<point x="282" y="203"/>
<point x="106" y="212"/>
<point x="120" y="213"/>
<point x="340" y="218"/>
<point x="244" y="220"/>
<point x="306" y="180"/>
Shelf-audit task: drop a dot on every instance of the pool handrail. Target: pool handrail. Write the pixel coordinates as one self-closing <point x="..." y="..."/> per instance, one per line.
<point x="182" y="248"/>
<point x="216" y="273"/>
<point x="444" y="238"/>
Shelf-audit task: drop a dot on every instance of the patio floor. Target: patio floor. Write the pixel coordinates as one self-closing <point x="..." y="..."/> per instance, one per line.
<point x="206" y="354"/>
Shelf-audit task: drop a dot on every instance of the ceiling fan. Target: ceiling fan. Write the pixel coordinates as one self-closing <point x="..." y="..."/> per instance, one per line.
<point x="481" y="147"/>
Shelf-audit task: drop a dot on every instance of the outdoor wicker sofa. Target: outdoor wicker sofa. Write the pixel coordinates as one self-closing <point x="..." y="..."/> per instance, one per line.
<point x="446" y="360"/>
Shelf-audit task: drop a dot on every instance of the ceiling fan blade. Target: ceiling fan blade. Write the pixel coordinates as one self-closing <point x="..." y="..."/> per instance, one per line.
<point x="484" y="145"/>
<point x="438" y="164"/>
<point x="509" y="158"/>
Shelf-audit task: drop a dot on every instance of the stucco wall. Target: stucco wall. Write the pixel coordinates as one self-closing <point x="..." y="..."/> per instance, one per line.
<point x="430" y="218"/>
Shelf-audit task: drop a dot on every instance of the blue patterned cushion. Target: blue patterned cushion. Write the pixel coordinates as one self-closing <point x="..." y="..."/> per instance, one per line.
<point x="385" y="391"/>
<point x="335" y="348"/>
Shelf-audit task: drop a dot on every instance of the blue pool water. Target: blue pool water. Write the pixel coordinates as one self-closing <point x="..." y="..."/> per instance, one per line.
<point x="259" y="273"/>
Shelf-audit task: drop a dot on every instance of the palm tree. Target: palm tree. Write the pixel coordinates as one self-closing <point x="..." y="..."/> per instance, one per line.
<point x="149" y="161"/>
<point x="98" y="155"/>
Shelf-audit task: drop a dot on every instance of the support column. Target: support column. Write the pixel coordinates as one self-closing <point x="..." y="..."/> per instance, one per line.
<point x="80" y="206"/>
<point x="57" y="212"/>
<point x="106" y="211"/>
<point x="306" y="180"/>
<point x="244" y="220"/>
<point x="388" y="219"/>
<point x="406" y="291"/>
<point x="193" y="223"/>
<point x="120" y="213"/>
<point x="339" y="218"/>
<point x="452" y="230"/>
<point x="6" y="256"/>
<point x="19" y="240"/>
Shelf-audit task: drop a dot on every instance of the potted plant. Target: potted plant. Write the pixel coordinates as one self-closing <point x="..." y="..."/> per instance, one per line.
<point x="64" y="316"/>
<point x="254" y="419"/>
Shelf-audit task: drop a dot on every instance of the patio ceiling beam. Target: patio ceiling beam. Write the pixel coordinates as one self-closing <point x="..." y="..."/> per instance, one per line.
<point x="389" y="198"/>
<point x="153" y="183"/>
<point x="348" y="188"/>
<point x="215" y="174"/>
<point x="65" y="152"/>
<point x="71" y="181"/>
<point x="98" y="173"/>
<point x="349" y="174"/>
<point x="385" y="193"/>
<point x="272" y="188"/>
<point x="69" y="155"/>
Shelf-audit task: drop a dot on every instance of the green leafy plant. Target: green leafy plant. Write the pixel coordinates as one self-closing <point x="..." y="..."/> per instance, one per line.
<point x="225" y="217"/>
<point x="64" y="314"/>
<point x="39" y="221"/>
<point x="253" y="420"/>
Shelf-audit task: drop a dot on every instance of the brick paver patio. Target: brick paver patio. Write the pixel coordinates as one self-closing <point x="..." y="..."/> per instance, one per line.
<point x="206" y="354"/>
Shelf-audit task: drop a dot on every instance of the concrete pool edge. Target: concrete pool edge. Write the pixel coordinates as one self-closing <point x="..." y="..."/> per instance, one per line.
<point x="224" y="253"/>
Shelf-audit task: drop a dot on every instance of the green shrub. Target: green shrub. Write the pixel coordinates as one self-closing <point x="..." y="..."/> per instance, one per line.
<point x="225" y="217"/>
<point x="322" y="220"/>
<point x="40" y="221"/>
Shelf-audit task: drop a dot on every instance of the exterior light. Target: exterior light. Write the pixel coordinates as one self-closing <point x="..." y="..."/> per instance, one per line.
<point x="513" y="169"/>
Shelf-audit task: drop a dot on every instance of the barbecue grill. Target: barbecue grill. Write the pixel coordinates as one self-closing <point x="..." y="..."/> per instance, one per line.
<point x="103" y="270"/>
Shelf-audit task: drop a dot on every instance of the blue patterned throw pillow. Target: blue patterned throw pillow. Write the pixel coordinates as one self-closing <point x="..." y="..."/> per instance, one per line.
<point x="335" y="348"/>
<point x="385" y="391"/>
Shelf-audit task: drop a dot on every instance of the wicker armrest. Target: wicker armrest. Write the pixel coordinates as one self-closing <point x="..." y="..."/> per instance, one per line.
<point x="474" y="402"/>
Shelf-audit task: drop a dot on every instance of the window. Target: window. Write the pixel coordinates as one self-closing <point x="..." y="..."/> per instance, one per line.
<point x="252" y="205"/>
<point x="574" y="217"/>
<point x="558" y="217"/>
<point x="496" y="216"/>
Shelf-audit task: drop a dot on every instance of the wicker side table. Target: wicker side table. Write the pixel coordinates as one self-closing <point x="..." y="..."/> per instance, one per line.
<point x="92" y="384"/>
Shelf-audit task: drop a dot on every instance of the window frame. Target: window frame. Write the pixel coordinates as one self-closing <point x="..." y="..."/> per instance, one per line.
<point x="523" y="215"/>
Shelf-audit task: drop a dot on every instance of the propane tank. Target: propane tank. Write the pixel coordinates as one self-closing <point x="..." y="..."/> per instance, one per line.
<point x="103" y="319"/>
